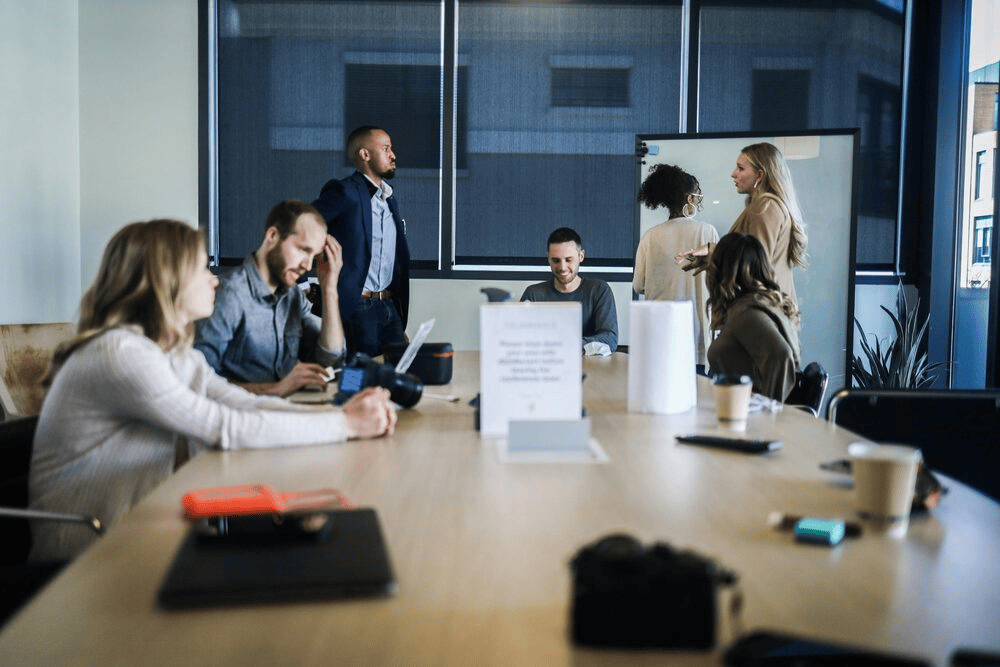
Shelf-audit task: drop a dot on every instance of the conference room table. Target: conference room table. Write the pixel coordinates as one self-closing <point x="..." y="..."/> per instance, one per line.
<point x="481" y="548"/>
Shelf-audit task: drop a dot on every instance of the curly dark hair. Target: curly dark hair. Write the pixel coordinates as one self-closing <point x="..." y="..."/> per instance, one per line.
<point x="668" y="185"/>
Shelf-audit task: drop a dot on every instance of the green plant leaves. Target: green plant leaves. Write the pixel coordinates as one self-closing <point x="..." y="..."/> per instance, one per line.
<point x="901" y="365"/>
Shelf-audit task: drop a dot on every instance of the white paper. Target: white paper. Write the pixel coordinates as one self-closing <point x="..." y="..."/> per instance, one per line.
<point x="661" y="373"/>
<point x="530" y="364"/>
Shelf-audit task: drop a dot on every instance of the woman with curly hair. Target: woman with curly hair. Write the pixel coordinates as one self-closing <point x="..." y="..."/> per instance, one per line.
<point x="772" y="214"/>
<point x="756" y="321"/>
<point x="657" y="274"/>
<point x="129" y="398"/>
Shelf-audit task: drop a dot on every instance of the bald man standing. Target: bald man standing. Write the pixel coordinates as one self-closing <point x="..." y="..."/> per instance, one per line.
<point x="362" y="214"/>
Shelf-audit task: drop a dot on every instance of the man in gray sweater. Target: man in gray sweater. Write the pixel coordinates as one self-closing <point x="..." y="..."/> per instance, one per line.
<point x="600" y="317"/>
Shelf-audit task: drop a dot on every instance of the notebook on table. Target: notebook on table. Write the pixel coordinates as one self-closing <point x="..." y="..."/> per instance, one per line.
<point x="350" y="559"/>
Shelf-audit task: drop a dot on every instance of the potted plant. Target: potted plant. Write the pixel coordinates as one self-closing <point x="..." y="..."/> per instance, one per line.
<point x="900" y="364"/>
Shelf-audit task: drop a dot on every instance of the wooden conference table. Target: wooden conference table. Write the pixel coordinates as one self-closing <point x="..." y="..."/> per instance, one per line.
<point x="481" y="548"/>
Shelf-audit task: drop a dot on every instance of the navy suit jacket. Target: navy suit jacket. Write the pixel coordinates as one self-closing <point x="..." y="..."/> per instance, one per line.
<point x="346" y="206"/>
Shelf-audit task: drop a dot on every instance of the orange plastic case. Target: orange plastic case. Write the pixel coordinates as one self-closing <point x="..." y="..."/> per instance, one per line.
<point x="257" y="499"/>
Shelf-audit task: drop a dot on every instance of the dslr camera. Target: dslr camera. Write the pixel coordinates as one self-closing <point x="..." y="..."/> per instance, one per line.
<point x="627" y="595"/>
<point x="362" y="371"/>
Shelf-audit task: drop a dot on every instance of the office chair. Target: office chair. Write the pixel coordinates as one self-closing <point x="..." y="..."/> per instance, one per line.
<point x="958" y="431"/>
<point x="25" y="352"/>
<point x="810" y="388"/>
<point x="495" y="294"/>
<point x="20" y="579"/>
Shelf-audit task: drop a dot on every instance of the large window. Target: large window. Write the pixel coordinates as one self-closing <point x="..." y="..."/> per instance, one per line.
<point x="974" y="329"/>
<point x="782" y="66"/>
<point x="558" y="92"/>
<point x="512" y="118"/>
<point x="295" y="78"/>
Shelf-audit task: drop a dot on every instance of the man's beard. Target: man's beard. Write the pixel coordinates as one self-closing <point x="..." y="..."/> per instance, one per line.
<point x="388" y="173"/>
<point x="276" y="266"/>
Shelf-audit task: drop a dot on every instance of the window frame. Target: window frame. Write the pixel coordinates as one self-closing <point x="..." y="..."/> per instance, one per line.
<point x="444" y="265"/>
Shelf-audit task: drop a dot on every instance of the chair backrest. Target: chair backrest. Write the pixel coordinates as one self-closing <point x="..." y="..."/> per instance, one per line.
<point x="25" y="352"/>
<point x="810" y="387"/>
<point x="16" y="437"/>
<point x="958" y="431"/>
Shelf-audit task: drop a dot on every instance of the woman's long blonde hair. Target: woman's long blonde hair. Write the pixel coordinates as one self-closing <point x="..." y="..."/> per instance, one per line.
<point x="738" y="266"/>
<point x="144" y="267"/>
<point x="777" y="180"/>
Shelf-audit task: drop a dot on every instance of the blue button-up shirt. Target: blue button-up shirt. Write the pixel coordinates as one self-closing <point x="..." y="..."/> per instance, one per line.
<point x="383" y="240"/>
<point x="255" y="335"/>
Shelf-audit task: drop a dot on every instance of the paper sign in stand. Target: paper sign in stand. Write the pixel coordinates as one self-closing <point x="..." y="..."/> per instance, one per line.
<point x="531" y="369"/>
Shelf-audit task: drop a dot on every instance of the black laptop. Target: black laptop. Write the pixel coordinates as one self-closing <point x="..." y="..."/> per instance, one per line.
<point x="347" y="558"/>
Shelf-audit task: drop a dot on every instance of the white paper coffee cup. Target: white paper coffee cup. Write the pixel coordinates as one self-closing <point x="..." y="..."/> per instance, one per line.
<point x="732" y="400"/>
<point x="884" y="481"/>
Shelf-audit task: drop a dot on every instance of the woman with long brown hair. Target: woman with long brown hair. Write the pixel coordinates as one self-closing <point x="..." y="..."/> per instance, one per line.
<point x="756" y="320"/>
<point x="129" y="398"/>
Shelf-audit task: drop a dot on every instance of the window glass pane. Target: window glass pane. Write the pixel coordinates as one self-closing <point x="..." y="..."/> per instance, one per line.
<point x="975" y="246"/>
<point x="555" y="94"/>
<point x="786" y="69"/>
<point x="295" y="78"/>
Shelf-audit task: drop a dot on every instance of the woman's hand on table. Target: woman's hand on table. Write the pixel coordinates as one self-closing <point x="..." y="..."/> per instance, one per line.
<point x="370" y="414"/>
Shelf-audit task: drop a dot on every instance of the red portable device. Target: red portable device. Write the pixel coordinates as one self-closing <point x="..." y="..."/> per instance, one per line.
<point x="254" y="499"/>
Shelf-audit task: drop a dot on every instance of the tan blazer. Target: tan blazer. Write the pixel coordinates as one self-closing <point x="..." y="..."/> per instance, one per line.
<point x="767" y="219"/>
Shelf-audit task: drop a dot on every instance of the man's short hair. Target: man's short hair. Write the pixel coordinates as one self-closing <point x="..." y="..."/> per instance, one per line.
<point x="357" y="138"/>
<point x="284" y="214"/>
<point x="564" y="235"/>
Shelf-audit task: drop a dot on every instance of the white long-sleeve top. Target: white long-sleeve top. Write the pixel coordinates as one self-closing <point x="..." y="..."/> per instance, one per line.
<point x="111" y="422"/>
<point x="658" y="276"/>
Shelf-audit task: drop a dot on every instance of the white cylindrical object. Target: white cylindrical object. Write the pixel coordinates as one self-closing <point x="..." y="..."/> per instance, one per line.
<point x="661" y="373"/>
<point x="884" y="480"/>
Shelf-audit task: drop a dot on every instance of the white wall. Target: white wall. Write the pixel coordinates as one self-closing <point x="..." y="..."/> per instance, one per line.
<point x="39" y="161"/>
<point x="138" y="117"/>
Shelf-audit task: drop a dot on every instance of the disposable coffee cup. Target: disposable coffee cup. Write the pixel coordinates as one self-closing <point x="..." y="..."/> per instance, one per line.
<point x="884" y="480"/>
<point x="732" y="400"/>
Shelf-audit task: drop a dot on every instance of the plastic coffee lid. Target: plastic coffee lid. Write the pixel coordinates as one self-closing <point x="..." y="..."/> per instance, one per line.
<point x="724" y="379"/>
<point x="868" y="450"/>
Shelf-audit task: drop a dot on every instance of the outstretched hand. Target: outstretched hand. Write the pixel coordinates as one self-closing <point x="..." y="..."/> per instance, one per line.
<point x="697" y="259"/>
<point x="370" y="414"/>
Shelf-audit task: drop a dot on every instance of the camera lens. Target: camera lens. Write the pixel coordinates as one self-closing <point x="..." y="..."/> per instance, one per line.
<point x="405" y="390"/>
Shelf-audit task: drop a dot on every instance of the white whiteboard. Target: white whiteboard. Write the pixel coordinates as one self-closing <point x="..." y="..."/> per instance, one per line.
<point x="822" y="167"/>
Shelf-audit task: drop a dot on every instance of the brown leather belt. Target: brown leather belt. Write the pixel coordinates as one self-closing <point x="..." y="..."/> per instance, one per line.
<point x="378" y="296"/>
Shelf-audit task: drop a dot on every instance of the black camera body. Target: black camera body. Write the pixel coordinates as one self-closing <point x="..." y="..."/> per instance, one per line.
<point x="362" y="371"/>
<point x="626" y="595"/>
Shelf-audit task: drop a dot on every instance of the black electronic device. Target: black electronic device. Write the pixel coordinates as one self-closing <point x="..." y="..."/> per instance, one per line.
<point x="362" y="371"/>
<point x="967" y="657"/>
<point x="432" y="364"/>
<point x="775" y="649"/>
<point x="746" y="445"/>
<point x="261" y="564"/>
<point x="264" y="529"/>
<point x="632" y="596"/>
